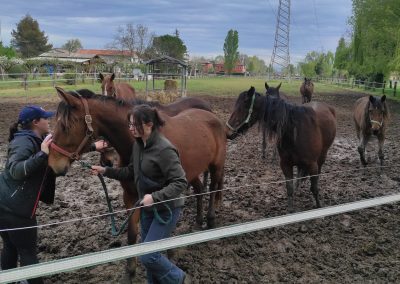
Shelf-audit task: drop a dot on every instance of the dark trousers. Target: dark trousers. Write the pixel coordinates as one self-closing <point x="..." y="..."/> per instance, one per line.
<point x="158" y="267"/>
<point x="19" y="243"/>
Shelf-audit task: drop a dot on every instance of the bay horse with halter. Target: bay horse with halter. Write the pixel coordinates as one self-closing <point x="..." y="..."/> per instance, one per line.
<point x="306" y="90"/>
<point x="119" y="90"/>
<point x="303" y="133"/>
<point x="197" y="134"/>
<point x="371" y="118"/>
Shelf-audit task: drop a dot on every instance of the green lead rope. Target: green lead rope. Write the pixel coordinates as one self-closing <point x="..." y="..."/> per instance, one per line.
<point x="114" y="231"/>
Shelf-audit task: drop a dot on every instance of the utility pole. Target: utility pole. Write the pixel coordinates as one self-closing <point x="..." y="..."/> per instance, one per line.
<point x="280" y="55"/>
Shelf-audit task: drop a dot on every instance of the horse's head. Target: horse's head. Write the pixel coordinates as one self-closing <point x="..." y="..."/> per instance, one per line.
<point x="244" y="115"/>
<point x="308" y="83"/>
<point x="107" y="85"/>
<point x="73" y="131"/>
<point x="377" y="112"/>
<point x="271" y="91"/>
<point x="109" y="157"/>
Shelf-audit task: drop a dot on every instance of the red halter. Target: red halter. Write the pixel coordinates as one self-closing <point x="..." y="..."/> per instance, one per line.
<point x="89" y="133"/>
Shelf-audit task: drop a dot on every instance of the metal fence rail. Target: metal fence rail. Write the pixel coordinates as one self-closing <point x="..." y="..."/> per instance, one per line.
<point x="92" y="259"/>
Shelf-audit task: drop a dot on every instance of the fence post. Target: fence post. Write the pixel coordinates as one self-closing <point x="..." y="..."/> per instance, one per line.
<point x="25" y="82"/>
<point x="394" y="88"/>
<point x="384" y="86"/>
<point x="54" y="79"/>
<point x="390" y="84"/>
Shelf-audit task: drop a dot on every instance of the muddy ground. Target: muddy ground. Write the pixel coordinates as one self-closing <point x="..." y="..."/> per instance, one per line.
<point x="358" y="247"/>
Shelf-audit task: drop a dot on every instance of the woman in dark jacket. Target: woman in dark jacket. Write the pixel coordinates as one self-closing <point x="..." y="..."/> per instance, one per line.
<point x="25" y="179"/>
<point x="156" y="170"/>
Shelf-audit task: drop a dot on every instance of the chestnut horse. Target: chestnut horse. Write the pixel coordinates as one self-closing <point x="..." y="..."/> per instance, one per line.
<point x="198" y="135"/>
<point x="119" y="90"/>
<point x="303" y="133"/>
<point x="371" y="118"/>
<point x="306" y="90"/>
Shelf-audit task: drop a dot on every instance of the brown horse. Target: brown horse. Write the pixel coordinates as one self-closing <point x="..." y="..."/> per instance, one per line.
<point x="109" y="156"/>
<point x="198" y="135"/>
<point x="371" y="118"/>
<point x="303" y="133"/>
<point x="307" y="90"/>
<point x="119" y="90"/>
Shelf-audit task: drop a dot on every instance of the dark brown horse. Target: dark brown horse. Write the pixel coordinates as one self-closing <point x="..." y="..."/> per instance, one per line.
<point x="198" y="135"/>
<point x="303" y="133"/>
<point x="371" y="118"/>
<point x="119" y="90"/>
<point x="306" y="90"/>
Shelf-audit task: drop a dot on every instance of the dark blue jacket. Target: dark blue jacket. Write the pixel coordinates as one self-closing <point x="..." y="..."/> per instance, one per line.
<point x="23" y="175"/>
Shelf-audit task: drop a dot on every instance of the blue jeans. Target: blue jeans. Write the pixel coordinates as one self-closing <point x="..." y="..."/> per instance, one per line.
<point x="158" y="267"/>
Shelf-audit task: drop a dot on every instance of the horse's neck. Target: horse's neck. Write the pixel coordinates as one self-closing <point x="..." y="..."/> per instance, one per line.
<point x="112" y="123"/>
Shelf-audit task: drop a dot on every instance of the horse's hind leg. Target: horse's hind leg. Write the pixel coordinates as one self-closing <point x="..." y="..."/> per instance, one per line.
<point x="198" y="189"/>
<point x="314" y="177"/>
<point x="216" y="174"/>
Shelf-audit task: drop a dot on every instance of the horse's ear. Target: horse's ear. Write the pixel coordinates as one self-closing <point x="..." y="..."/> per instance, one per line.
<point x="112" y="77"/>
<point x="266" y="86"/>
<point x="305" y="79"/>
<point x="101" y="77"/>
<point x="371" y="99"/>
<point x="383" y="99"/>
<point x="251" y="91"/>
<point x="66" y="97"/>
<point x="279" y="86"/>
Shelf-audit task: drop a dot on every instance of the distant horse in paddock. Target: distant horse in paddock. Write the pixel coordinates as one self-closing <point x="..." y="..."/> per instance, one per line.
<point x="198" y="135"/>
<point x="303" y="133"/>
<point x="306" y="90"/>
<point x="371" y="118"/>
<point x="119" y="90"/>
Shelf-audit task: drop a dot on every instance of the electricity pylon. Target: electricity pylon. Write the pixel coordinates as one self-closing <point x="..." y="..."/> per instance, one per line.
<point x="280" y="54"/>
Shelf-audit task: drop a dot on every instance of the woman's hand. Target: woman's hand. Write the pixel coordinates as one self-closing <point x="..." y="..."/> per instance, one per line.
<point x="147" y="200"/>
<point x="101" y="145"/>
<point x="98" y="170"/>
<point x="46" y="144"/>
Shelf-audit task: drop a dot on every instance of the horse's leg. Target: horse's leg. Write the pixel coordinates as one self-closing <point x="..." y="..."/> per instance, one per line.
<point x="361" y="149"/>
<point x="264" y="144"/>
<point x="198" y="189"/>
<point x="381" y="141"/>
<point x="205" y="180"/>
<point x="130" y="198"/>
<point x="314" y="177"/>
<point x="287" y="170"/>
<point x="216" y="173"/>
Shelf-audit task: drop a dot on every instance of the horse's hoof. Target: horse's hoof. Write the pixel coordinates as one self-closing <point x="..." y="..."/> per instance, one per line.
<point x="211" y="223"/>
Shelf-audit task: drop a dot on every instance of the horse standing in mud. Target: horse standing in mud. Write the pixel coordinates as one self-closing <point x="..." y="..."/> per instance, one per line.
<point x="306" y="90"/>
<point x="303" y="133"/>
<point x="119" y="90"/>
<point x="198" y="135"/>
<point x="371" y="118"/>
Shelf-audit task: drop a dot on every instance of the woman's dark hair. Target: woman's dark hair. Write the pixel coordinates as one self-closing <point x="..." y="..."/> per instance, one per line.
<point x="14" y="128"/>
<point x="144" y="114"/>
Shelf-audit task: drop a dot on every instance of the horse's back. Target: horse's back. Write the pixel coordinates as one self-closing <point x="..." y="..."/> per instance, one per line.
<point x="325" y="116"/>
<point x="359" y="111"/>
<point x="125" y="91"/>
<point x="200" y="138"/>
<point x="186" y="103"/>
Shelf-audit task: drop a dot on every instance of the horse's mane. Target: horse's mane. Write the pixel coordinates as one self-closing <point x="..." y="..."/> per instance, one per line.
<point x="280" y="117"/>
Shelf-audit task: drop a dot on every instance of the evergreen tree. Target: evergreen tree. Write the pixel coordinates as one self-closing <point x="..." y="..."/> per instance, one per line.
<point x="28" y="39"/>
<point x="231" y="54"/>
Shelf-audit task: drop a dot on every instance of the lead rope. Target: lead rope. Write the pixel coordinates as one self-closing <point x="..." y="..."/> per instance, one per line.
<point x="114" y="231"/>
<point x="39" y="193"/>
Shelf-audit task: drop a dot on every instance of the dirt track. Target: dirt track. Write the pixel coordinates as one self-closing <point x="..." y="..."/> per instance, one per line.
<point x="359" y="247"/>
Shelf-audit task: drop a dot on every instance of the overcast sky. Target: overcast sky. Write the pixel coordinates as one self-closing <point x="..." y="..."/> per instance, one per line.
<point x="202" y="24"/>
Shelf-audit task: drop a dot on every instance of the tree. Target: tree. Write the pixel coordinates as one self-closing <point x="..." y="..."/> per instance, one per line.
<point x="135" y="39"/>
<point x="72" y="45"/>
<point x="169" y="45"/>
<point x="7" y="63"/>
<point x="256" y="66"/>
<point x="342" y="56"/>
<point x="8" y="52"/>
<point x="28" y="39"/>
<point x="231" y="54"/>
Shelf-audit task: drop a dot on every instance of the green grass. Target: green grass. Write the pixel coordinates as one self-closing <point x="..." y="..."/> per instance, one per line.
<point x="215" y="86"/>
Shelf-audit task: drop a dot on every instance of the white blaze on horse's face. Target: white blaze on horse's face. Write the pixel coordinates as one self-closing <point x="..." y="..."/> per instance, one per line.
<point x="105" y="90"/>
